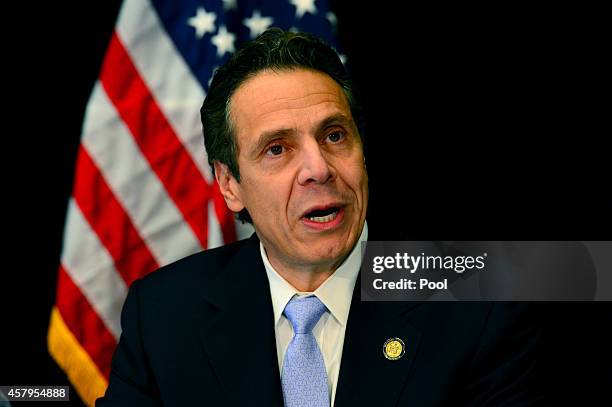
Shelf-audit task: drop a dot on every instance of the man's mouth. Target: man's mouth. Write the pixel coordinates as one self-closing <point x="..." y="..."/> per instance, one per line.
<point x="323" y="215"/>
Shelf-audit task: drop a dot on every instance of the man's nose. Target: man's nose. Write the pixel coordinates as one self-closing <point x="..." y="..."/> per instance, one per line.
<point x="315" y="166"/>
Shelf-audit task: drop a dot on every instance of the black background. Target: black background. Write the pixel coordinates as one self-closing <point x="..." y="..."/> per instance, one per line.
<point x="482" y="123"/>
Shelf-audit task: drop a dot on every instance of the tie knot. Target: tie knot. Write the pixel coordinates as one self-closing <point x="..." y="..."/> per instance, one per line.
<point x="304" y="313"/>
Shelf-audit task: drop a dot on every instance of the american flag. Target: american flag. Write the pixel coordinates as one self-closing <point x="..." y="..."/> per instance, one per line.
<point x="143" y="194"/>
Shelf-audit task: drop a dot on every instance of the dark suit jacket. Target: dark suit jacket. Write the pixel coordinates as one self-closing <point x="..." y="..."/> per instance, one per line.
<point x="200" y="332"/>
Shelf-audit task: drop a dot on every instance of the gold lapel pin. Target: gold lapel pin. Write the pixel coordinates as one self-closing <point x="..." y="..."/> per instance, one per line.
<point x="394" y="348"/>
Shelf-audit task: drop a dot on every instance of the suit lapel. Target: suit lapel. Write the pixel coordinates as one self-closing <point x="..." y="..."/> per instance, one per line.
<point x="366" y="376"/>
<point x="238" y="339"/>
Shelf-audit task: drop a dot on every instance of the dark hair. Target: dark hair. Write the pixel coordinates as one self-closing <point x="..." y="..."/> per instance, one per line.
<point x="274" y="49"/>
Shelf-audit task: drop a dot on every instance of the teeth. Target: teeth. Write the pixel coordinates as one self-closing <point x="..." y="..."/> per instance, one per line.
<point x="323" y="219"/>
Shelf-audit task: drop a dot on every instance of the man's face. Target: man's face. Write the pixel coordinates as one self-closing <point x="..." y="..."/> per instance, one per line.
<point x="303" y="177"/>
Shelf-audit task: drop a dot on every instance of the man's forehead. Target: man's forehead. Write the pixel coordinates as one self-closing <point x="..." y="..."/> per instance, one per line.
<point x="287" y="88"/>
<point x="274" y="99"/>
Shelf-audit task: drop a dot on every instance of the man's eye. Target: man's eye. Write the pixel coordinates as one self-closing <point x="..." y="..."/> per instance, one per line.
<point x="276" y="149"/>
<point x="336" y="136"/>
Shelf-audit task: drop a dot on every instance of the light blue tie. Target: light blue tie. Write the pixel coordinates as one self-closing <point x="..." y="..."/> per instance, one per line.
<point x="304" y="377"/>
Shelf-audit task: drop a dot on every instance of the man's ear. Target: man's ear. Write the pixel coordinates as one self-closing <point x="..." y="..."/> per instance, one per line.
<point x="230" y="189"/>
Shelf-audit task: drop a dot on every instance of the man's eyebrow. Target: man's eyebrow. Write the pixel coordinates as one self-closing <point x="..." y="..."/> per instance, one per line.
<point x="268" y="136"/>
<point x="339" y="118"/>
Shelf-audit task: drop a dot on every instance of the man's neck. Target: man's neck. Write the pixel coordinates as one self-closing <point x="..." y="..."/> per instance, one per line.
<point x="308" y="277"/>
<point x="305" y="279"/>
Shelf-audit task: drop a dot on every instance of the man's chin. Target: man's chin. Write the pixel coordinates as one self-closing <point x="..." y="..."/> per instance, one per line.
<point x="328" y="256"/>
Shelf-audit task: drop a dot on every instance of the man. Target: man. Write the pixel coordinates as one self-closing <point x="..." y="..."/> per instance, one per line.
<point x="276" y="319"/>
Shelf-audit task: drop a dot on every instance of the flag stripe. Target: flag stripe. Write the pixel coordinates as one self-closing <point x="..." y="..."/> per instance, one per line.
<point x="215" y="236"/>
<point x="129" y="176"/>
<point x="166" y="74"/>
<point x="156" y="138"/>
<point x="84" y="323"/>
<point x="110" y="222"/>
<point x="74" y="360"/>
<point x="92" y="269"/>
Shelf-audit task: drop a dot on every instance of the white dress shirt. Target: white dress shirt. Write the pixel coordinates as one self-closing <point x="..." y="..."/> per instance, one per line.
<point x="336" y="293"/>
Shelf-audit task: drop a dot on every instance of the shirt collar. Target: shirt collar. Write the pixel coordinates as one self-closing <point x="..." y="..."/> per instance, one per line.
<point x="335" y="293"/>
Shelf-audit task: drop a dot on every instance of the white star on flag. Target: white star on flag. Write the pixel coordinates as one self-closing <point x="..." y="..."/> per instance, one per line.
<point x="229" y="5"/>
<point x="331" y="17"/>
<point x="203" y="22"/>
<point x="304" y="6"/>
<point x="224" y="41"/>
<point x="257" y="24"/>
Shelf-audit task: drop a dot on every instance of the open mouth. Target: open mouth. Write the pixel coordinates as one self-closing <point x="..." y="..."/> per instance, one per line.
<point x="323" y="215"/>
